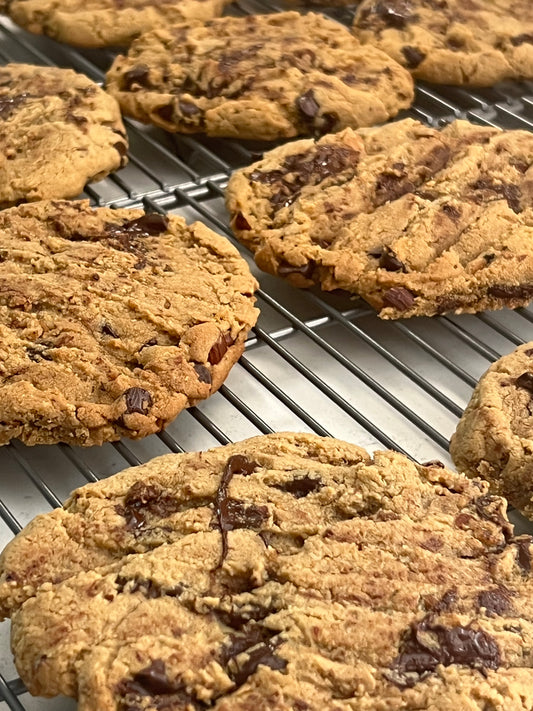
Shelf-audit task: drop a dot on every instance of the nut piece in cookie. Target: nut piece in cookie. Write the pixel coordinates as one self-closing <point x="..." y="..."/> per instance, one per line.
<point x="287" y="572"/>
<point x="473" y="42"/>
<point x="260" y="77"/>
<point x="58" y="131"/>
<point x="414" y="220"/>
<point x="112" y="321"/>
<point x="494" y="438"/>
<point x="101" y="23"/>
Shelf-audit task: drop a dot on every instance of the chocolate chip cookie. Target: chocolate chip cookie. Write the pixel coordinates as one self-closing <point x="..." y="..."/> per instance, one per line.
<point x="58" y="131"/>
<point x="471" y="42"/>
<point x="287" y="572"/>
<point x="259" y="77"/>
<point x="414" y="220"/>
<point x="112" y="321"/>
<point x="494" y="438"/>
<point x="100" y="23"/>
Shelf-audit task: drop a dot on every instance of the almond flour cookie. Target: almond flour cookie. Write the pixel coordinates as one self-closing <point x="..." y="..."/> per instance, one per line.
<point x="471" y="42"/>
<point x="261" y="76"/>
<point x="112" y="321"/>
<point x="100" y="23"/>
<point x="494" y="438"/>
<point x="58" y="131"/>
<point x="414" y="220"/>
<point x="283" y="573"/>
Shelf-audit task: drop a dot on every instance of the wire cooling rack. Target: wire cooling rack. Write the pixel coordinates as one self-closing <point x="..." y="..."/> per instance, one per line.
<point x="315" y="362"/>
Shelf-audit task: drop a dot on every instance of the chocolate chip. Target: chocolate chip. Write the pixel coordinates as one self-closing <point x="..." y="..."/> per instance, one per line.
<point x="138" y="75"/>
<point x="80" y="121"/>
<point x="434" y="463"/>
<point x="204" y="374"/>
<point x="525" y="381"/>
<point x="241" y="223"/>
<point x="529" y="352"/>
<point x="142" y="499"/>
<point x="520" y="165"/>
<point x="153" y="681"/>
<point x="390" y="261"/>
<point x="138" y="400"/>
<point x="394" y="13"/>
<point x="509" y="191"/>
<point x="121" y="148"/>
<point x="391" y="186"/>
<point x="495" y="602"/>
<point x="426" y="646"/>
<point x="239" y="618"/>
<point x="399" y="298"/>
<point x="511" y="291"/>
<point x="489" y="258"/>
<point x="108" y="330"/>
<point x="453" y="212"/>
<point x="166" y="113"/>
<point x="523" y="557"/>
<point x="151" y="224"/>
<point x="241" y="515"/>
<point x="413" y="56"/>
<point x="189" y="109"/>
<point x="306" y="270"/>
<point x="307" y="105"/>
<point x="237" y="464"/>
<point x="300" y="487"/>
<point x="38" y="352"/>
<point x="521" y="39"/>
<point x="9" y="104"/>
<point x="219" y="348"/>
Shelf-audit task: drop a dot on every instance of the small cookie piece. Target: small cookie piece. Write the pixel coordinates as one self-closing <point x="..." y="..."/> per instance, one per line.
<point x="58" y="131"/>
<point x="494" y="437"/>
<point x="260" y="77"/>
<point x="101" y="23"/>
<point x="287" y="572"/>
<point x="461" y="42"/>
<point x="414" y="220"/>
<point x="112" y="321"/>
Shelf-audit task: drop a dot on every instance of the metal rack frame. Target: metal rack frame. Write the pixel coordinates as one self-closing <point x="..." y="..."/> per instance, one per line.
<point x="315" y="362"/>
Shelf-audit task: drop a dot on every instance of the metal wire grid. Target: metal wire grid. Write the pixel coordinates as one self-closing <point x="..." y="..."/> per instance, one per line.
<point x="315" y="362"/>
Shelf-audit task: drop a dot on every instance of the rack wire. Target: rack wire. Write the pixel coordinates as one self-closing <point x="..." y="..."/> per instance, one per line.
<point x="315" y="362"/>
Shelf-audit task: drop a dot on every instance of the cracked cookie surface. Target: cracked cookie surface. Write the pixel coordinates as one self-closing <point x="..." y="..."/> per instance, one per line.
<point x="494" y="438"/>
<point x="101" y="23"/>
<point x="414" y="220"/>
<point x="58" y="131"/>
<point x="470" y="42"/>
<point x="287" y="572"/>
<point x="112" y="321"/>
<point x="260" y="77"/>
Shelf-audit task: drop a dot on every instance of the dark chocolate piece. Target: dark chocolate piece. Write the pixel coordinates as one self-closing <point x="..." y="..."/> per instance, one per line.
<point x="399" y="298"/>
<point x="219" y="348"/>
<point x="301" y="487"/>
<point x="138" y="75"/>
<point x="413" y="56"/>
<point x="525" y="381"/>
<point x="204" y="374"/>
<point x="138" y="400"/>
<point x="237" y="464"/>
<point x="495" y="602"/>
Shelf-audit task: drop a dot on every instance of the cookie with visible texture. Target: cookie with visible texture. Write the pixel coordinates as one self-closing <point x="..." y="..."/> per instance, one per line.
<point x="260" y="76"/>
<point x="112" y="321"/>
<point x="58" y="131"/>
<point x="494" y="438"/>
<point x="415" y="220"/>
<point x="283" y="573"/>
<point x="100" y="23"/>
<point x="470" y="42"/>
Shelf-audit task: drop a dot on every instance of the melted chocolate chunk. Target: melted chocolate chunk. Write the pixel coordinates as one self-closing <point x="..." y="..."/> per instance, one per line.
<point x="137" y="76"/>
<point x="219" y="348"/>
<point x="413" y="56"/>
<point x="9" y="104"/>
<point x="38" y="352"/>
<point x="241" y="223"/>
<point x="80" y="121"/>
<point x="306" y="270"/>
<point x="525" y="381"/>
<point x="521" y="39"/>
<point x="153" y="681"/>
<point x="166" y="113"/>
<point x="260" y="644"/>
<point x="237" y="464"/>
<point x="390" y="261"/>
<point x="150" y="224"/>
<point x="511" y="291"/>
<point x="121" y="148"/>
<point x="138" y="400"/>
<point x="301" y="487"/>
<point x="142" y="500"/>
<point x="108" y="330"/>
<point x="241" y="515"/>
<point x="391" y="186"/>
<point x="265" y="655"/>
<point x="188" y="109"/>
<point x="453" y="212"/>
<point x="523" y="553"/>
<point x="308" y="106"/>
<point x="394" y="13"/>
<point x="239" y="618"/>
<point x="434" y="463"/>
<point x="204" y="374"/>
<point x="509" y="191"/>
<point x="492" y="508"/>
<point x="399" y="298"/>
<point x="425" y="646"/>
<point x="495" y="602"/>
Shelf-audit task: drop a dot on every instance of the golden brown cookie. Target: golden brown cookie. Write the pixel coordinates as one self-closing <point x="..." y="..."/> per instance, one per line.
<point x="58" y="131"/>
<point x="472" y="42"/>
<point x="112" y="321"/>
<point x="260" y="76"/>
<point x="100" y="23"/>
<point x="494" y="438"/>
<point x="414" y="220"/>
<point x="284" y="573"/>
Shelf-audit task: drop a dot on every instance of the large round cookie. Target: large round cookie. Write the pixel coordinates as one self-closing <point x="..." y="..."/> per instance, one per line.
<point x="260" y="76"/>
<point x="112" y="321"/>
<point x="494" y="438"/>
<point x="415" y="220"/>
<point x="283" y="573"/>
<point x="58" y="131"/>
<point x="472" y="42"/>
<point x="100" y="23"/>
